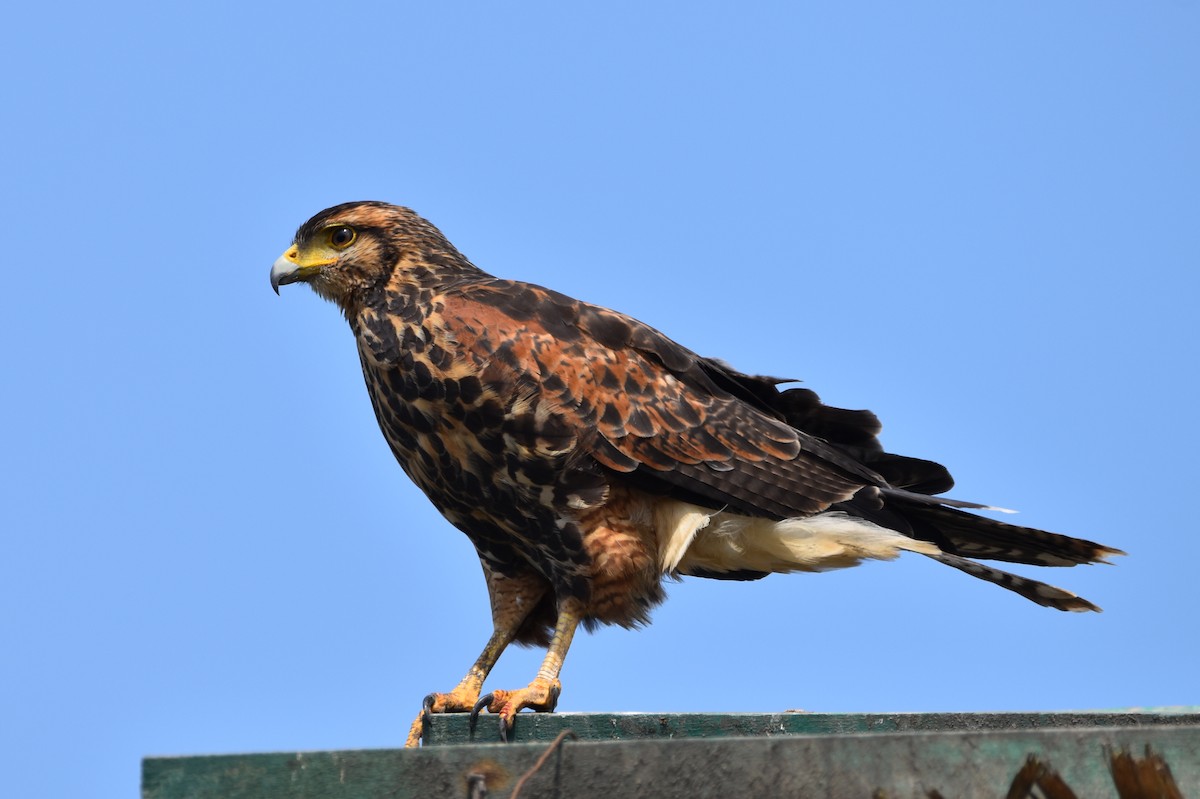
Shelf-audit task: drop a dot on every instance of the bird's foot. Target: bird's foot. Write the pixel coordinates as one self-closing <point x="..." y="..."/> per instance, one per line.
<point x="460" y="700"/>
<point x="541" y="696"/>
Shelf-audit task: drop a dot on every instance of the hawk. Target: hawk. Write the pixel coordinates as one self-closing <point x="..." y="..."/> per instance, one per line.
<point x="587" y="456"/>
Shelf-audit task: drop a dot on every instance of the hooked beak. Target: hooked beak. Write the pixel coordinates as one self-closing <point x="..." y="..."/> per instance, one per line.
<point x="291" y="268"/>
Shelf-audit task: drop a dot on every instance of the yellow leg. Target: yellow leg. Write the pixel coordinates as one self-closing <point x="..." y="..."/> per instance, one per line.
<point x="512" y="600"/>
<point x="464" y="695"/>
<point x="542" y="693"/>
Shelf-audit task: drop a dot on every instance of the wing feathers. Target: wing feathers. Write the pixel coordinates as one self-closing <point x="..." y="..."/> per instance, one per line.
<point x="699" y="431"/>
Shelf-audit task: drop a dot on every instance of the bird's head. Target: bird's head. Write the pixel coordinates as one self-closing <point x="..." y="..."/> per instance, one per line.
<point x="345" y="251"/>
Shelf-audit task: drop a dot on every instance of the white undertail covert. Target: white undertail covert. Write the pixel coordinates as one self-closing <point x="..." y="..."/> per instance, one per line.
<point x="692" y="538"/>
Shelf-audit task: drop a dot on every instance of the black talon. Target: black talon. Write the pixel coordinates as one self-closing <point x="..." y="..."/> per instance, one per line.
<point x="555" y="691"/>
<point x="504" y="730"/>
<point x="426" y="712"/>
<point x="483" y="702"/>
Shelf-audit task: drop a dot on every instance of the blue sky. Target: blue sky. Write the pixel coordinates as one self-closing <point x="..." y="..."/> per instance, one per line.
<point x="978" y="220"/>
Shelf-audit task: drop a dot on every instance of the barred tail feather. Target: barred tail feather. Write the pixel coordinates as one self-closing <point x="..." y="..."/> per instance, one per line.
<point x="975" y="536"/>
<point x="1041" y="593"/>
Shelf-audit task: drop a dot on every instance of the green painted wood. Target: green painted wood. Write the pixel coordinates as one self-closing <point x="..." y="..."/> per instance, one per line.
<point x="897" y="765"/>
<point x="454" y="728"/>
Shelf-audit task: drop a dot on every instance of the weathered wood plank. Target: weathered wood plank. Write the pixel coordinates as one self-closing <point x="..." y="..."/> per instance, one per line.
<point x="970" y="760"/>
<point x="454" y="728"/>
<point x="900" y="765"/>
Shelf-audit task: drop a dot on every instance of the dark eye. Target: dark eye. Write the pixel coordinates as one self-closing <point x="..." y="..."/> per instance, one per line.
<point x="341" y="237"/>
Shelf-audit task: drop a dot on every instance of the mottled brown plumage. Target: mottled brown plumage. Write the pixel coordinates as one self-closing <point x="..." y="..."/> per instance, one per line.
<point x="586" y="455"/>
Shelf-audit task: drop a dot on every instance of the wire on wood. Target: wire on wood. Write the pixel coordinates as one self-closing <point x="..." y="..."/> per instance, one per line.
<point x="541" y="761"/>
